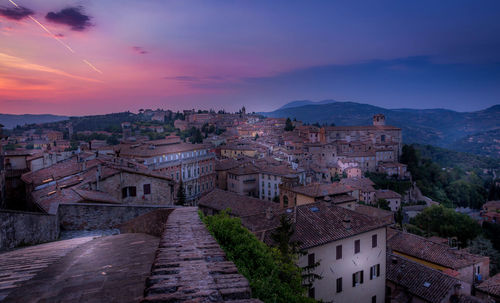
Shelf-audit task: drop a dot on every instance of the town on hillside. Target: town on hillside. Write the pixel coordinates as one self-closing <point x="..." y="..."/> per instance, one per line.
<point x="190" y="195"/>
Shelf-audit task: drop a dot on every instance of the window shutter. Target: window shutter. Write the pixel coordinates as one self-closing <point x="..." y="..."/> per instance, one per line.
<point x="124" y="192"/>
<point x="353" y="279"/>
<point x="361" y="280"/>
<point x="371" y="273"/>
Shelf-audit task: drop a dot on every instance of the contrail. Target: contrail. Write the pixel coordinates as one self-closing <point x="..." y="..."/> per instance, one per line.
<point x="58" y="40"/>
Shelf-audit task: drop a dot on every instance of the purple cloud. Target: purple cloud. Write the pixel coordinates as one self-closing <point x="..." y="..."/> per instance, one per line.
<point x="15" y="13"/>
<point x="139" y="50"/>
<point x="71" y="16"/>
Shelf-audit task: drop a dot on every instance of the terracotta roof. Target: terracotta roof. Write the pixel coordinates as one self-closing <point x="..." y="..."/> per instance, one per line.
<point x="240" y="205"/>
<point x="322" y="189"/>
<point x="229" y="163"/>
<point x="382" y="214"/>
<point x="491" y="205"/>
<point x="247" y="169"/>
<point x="424" y="282"/>
<point x="491" y="286"/>
<point x="360" y="128"/>
<point x="427" y="250"/>
<point x="315" y="224"/>
<point x="387" y="194"/>
<point x="364" y="184"/>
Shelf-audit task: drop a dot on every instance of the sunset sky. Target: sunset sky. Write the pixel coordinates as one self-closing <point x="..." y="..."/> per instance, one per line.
<point x="99" y="56"/>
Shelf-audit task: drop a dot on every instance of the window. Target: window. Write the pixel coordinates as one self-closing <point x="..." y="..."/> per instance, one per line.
<point x="357" y="278"/>
<point x="374" y="271"/>
<point x="374" y="241"/>
<point x="339" y="252"/>
<point x="310" y="260"/>
<point x="129" y="191"/>
<point x="147" y="189"/>
<point x="357" y="246"/>
<point x="374" y="299"/>
<point x="339" y="285"/>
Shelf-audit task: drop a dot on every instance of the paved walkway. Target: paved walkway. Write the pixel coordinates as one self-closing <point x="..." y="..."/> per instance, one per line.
<point x="106" y="269"/>
<point x="18" y="266"/>
<point x="191" y="267"/>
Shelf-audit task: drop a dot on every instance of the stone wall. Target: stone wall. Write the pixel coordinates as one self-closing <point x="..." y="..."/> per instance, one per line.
<point x="191" y="267"/>
<point x="152" y="223"/>
<point x="84" y="216"/>
<point x="24" y="228"/>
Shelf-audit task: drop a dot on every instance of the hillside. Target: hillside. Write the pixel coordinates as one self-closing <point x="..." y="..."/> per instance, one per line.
<point x="440" y="127"/>
<point x="10" y="121"/>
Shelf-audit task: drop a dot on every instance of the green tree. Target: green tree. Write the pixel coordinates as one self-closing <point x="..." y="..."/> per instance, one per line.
<point x="290" y="250"/>
<point x="289" y="125"/>
<point x="483" y="247"/>
<point x="181" y="194"/>
<point x="383" y="204"/>
<point x="445" y="222"/>
<point x="271" y="278"/>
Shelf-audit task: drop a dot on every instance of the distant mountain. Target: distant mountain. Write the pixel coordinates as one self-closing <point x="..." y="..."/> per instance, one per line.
<point x="306" y="102"/>
<point x="11" y="121"/>
<point x="477" y="132"/>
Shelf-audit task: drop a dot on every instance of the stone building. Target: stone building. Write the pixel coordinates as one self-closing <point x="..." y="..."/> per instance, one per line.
<point x="243" y="180"/>
<point x="101" y="180"/>
<point x="193" y="164"/>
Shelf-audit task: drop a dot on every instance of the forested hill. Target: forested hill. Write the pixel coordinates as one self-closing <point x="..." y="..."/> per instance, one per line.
<point x="477" y="132"/>
<point x="11" y="121"/>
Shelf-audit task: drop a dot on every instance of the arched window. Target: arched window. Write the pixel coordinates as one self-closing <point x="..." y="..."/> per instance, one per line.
<point x="285" y="201"/>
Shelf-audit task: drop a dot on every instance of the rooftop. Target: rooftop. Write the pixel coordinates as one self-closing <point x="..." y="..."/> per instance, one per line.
<point x="240" y="205"/>
<point x="427" y="250"/>
<point x="419" y="280"/>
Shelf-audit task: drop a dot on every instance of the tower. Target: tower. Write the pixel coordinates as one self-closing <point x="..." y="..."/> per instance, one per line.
<point x="379" y="120"/>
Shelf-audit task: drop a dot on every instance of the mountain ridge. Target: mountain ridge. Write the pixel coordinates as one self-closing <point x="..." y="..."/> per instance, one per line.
<point x="440" y="127"/>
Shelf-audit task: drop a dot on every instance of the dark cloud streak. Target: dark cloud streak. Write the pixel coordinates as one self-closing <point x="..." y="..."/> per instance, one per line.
<point x="139" y="50"/>
<point x="15" y="13"/>
<point x="71" y="16"/>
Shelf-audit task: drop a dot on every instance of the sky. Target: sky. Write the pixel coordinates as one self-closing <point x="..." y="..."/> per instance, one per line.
<point x="101" y="56"/>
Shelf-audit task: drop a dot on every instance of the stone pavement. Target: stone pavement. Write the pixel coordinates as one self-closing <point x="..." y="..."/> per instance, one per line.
<point x="20" y="265"/>
<point x="191" y="267"/>
<point x="106" y="269"/>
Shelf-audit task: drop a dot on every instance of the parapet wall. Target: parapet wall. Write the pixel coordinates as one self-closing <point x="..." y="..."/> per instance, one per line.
<point x="86" y="216"/>
<point x="25" y="228"/>
<point x="191" y="267"/>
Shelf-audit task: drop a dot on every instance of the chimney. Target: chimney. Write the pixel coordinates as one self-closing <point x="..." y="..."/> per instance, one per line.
<point x="346" y="222"/>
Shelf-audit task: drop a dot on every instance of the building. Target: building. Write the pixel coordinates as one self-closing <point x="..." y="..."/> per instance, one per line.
<point x="491" y="212"/>
<point x="270" y="179"/>
<point x="410" y="281"/>
<point x="101" y="180"/>
<point x="222" y="167"/>
<point x="335" y="193"/>
<point x="365" y="188"/>
<point x="237" y="151"/>
<point x="243" y="180"/>
<point x="390" y="196"/>
<point x="458" y="263"/>
<point x="393" y="169"/>
<point x="193" y="165"/>
<point x="349" y="246"/>
<point x="489" y="290"/>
